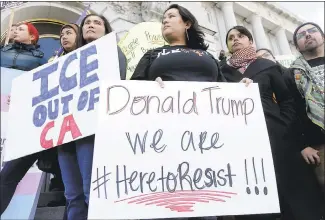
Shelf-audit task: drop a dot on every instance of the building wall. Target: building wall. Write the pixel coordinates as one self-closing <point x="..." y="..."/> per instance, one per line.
<point x="210" y="15"/>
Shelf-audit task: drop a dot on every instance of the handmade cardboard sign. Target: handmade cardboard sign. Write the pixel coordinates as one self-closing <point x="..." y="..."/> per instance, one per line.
<point x="56" y="103"/>
<point x="189" y="149"/>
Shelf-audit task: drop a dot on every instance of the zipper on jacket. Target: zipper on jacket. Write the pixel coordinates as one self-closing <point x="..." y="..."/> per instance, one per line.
<point x="15" y="58"/>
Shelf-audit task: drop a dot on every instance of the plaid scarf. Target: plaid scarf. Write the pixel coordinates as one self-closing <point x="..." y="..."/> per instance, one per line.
<point x="242" y="58"/>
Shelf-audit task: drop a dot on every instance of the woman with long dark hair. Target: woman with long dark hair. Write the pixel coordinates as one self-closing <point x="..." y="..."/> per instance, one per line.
<point x="76" y="162"/>
<point x="185" y="58"/>
<point x="297" y="186"/>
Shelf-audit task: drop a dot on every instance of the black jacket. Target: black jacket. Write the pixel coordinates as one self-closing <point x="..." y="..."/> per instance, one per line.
<point x="22" y="56"/>
<point x="279" y="116"/>
<point x="307" y="133"/>
<point x="122" y="63"/>
<point x="142" y="69"/>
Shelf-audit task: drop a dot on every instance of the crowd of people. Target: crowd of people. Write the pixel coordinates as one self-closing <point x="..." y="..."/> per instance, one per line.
<point x="292" y="99"/>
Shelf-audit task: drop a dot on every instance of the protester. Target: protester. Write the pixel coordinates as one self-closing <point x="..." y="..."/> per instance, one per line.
<point x="76" y="161"/>
<point x="267" y="54"/>
<point x="11" y="35"/>
<point x="222" y="58"/>
<point x="68" y="39"/>
<point x="280" y="118"/>
<point x="24" y="55"/>
<point x="185" y="58"/>
<point x="306" y="82"/>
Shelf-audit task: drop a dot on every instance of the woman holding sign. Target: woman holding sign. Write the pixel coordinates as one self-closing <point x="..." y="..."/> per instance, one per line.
<point x="299" y="198"/>
<point x="76" y="161"/>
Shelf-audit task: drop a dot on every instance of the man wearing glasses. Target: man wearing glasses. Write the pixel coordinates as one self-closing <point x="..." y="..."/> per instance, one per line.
<point x="307" y="73"/>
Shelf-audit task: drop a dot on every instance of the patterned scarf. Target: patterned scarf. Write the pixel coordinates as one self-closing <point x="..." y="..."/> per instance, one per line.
<point x="242" y="58"/>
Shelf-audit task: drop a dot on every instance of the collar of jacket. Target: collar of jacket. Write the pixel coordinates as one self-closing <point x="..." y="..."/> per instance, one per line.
<point x="22" y="46"/>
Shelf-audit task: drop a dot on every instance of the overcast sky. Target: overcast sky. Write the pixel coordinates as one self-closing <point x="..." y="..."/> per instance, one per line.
<point x="309" y="11"/>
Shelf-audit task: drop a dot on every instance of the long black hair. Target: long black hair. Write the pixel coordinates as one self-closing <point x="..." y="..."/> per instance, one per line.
<point x="195" y="35"/>
<point x="108" y="28"/>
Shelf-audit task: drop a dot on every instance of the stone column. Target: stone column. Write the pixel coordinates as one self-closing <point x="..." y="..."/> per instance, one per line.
<point x="258" y="32"/>
<point x="283" y="42"/>
<point x="228" y="14"/>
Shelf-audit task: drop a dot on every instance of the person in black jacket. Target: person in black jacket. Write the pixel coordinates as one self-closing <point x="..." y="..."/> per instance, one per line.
<point x="298" y="198"/>
<point x="306" y="79"/>
<point x="267" y="54"/>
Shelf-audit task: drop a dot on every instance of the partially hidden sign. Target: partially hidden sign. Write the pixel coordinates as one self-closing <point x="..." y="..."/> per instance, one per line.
<point x="189" y="149"/>
<point x="56" y="103"/>
<point x="27" y="192"/>
<point x="141" y="38"/>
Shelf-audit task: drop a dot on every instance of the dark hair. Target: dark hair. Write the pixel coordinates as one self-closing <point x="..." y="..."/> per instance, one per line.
<point x="196" y="36"/>
<point x="269" y="51"/>
<point x="300" y="26"/>
<point x="108" y="28"/>
<point x="242" y="30"/>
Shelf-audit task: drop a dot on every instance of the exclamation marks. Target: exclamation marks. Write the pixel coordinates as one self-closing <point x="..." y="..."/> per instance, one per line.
<point x="256" y="188"/>
<point x="265" y="188"/>
<point x="248" y="191"/>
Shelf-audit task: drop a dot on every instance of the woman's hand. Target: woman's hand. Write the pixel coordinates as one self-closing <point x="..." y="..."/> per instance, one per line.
<point x="160" y="82"/>
<point x="311" y="155"/>
<point x="247" y="81"/>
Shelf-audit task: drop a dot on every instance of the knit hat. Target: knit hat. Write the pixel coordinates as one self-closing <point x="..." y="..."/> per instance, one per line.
<point x="71" y="25"/>
<point x="33" y="31"/>
<point x="300" y="26"/>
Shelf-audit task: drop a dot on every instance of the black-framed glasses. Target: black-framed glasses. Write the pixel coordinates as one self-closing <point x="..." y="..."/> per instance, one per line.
<point x="304" y="33"/>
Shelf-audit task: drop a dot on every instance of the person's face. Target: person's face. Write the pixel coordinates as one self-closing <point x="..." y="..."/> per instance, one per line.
<point x="22" y="35"/>
<point x="93" y="28"/>
<point x="309" y="38"/>
<point x="237" y="41"/>
<point x="12" y="32"/>
<point x="265" y="54"/>
<point x="173" y="26"/>
<point x="68" y="39"/>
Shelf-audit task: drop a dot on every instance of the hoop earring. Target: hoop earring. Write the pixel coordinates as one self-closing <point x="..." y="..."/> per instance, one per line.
<point x="188" y="39"/>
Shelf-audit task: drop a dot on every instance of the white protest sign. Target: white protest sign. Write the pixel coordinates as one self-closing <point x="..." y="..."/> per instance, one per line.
<point x="55" y="103"/>
<point x="189" y="149"/>
<point x="285" y="60"/>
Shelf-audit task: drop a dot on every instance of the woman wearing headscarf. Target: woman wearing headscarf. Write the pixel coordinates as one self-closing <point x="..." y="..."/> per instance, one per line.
<point x="76" y="161"/>
<point x="298" y="199"/>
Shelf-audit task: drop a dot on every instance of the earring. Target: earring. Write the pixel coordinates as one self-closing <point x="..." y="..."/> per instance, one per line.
<point x="187" y="35"/>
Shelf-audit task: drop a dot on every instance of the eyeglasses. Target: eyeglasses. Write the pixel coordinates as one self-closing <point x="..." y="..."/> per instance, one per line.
<point x="304" y="33"/>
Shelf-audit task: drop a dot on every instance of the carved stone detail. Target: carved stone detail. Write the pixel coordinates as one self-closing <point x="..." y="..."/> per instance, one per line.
<point x="153" y="11"/>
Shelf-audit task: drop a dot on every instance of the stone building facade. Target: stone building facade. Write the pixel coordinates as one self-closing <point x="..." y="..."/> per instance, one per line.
<point x="272" y="27"/>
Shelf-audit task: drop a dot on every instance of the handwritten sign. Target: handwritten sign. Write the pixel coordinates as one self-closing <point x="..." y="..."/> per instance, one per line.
<point x="141" y="38"/>
<point x="27" y="192"/>
<point x="190" y="149"/>
<point x="7" y="75"/>
<point x="55" y="103"/>
<point x="285" y="60"/>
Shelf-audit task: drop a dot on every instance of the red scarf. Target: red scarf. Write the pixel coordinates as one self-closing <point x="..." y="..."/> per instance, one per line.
<point x="242" y="58"/>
